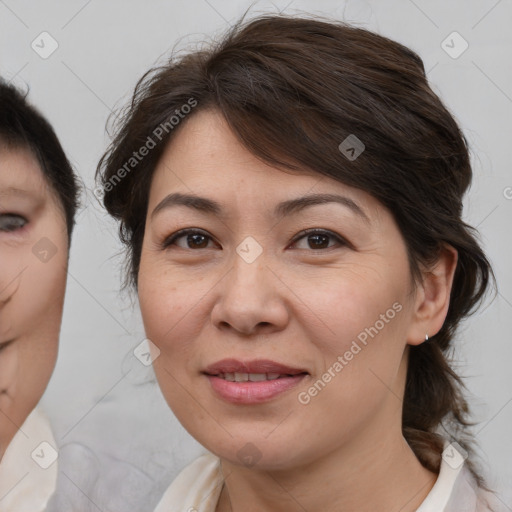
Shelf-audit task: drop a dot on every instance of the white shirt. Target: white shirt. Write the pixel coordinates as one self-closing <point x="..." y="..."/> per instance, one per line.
<point x="197" y="489"/>
<point x="28" y="470"/>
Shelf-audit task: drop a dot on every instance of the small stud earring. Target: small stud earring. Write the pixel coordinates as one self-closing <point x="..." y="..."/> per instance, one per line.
<point x="426" y="337"/>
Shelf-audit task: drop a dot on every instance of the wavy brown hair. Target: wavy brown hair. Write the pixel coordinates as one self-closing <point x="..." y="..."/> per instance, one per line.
<point x="292" y="89"/>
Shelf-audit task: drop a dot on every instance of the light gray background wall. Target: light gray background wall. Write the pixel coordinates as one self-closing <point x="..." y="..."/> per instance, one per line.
<point x="100" y="396"/>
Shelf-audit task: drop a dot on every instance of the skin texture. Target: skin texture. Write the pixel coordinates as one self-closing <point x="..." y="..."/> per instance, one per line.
<point x="32" y="287"/>
<point x="298" y="305"/>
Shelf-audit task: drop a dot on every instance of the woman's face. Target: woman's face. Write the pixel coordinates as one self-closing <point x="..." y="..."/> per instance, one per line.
<point x="33" y="268"/>
<point x="317" y="322"/>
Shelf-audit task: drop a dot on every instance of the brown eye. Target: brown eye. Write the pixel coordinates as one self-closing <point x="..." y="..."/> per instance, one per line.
<point x="194" y="239"/>
<point x="319" y="239"/>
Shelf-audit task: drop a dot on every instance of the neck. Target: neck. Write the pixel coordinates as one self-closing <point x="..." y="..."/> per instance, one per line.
<point x="384" y="475"/>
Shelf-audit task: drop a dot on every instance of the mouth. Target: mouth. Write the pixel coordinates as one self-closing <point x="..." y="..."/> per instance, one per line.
<point x="252" y="382"/>
<point x="251" y="377"/>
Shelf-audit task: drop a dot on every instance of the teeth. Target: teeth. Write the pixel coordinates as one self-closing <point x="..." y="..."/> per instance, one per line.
<point x="257" y="377"/>
<point x="249" y="377"/>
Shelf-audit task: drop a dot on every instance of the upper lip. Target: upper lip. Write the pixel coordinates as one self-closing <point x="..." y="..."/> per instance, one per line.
<point x="254" y="366"/>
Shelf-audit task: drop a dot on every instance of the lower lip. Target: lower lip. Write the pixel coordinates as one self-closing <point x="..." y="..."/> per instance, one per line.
<point x="253" y="392"/>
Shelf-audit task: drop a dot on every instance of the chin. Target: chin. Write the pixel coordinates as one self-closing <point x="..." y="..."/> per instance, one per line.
<point x="255" y="452"/>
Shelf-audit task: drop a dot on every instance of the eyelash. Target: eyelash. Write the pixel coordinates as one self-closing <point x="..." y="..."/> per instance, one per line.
<point x="312" y="231"/>
<point x="14" y="220"/>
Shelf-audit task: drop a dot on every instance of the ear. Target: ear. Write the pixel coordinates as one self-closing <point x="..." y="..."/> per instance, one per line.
<point x="433" y="297"/>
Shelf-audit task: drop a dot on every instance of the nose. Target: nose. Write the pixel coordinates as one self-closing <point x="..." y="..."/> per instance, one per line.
<point x="252" y="299"/>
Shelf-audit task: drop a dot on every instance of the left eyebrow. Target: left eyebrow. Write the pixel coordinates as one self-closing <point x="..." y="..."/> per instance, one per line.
<point x="294" y="205"/>
<point x="210" y="206"/>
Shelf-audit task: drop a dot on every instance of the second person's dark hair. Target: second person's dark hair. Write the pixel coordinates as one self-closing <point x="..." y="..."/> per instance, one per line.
<point x="23" y="127"/>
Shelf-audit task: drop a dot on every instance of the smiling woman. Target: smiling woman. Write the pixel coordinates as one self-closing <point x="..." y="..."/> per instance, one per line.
<point x="38" y="199"/>
<point x="301" y="263"/>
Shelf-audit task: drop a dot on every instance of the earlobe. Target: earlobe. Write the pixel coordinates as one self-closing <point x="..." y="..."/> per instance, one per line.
<point x="433" y="297"/>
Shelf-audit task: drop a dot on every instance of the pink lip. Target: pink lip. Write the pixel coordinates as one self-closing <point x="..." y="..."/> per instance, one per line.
<point x="252" y="392"/>
<point x="255" y="366"/>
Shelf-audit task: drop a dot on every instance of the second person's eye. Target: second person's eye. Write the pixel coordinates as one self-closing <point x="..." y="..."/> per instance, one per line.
<point x="10" y="222"/>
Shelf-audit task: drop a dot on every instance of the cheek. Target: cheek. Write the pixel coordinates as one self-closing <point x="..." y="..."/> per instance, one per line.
<point x="35" y="293"/>
<point x="12" y="267"/>
<point x="43" y="282"/>
<point x="37" y="311"/>
<point x="32" y="318"/>
<point x="170" y="304"/>
<point x="358" y="333"/>
<point x="8" y="370"/>
<point x="354" y="304"/>
<point x="169" y="316"/>
<point x="40" y="298"/>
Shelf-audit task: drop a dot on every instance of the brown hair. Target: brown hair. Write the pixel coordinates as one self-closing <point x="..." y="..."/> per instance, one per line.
<point x="292" y="89"/>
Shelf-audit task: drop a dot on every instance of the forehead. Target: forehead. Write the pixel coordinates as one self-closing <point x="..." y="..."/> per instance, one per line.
<point x="206" y="158"/>
<point x="206" y="148"/>
<point x="20" y="172"/>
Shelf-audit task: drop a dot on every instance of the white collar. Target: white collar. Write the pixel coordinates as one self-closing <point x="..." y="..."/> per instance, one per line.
<point x="28" y="470"/>
<point x="452" y="465"/>
<point x="196" y="488"/>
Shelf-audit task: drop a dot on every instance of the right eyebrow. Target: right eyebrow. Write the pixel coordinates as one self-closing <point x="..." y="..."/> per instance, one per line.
<point x="201" y="204"/>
